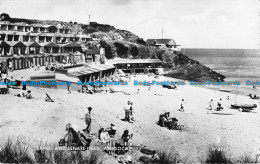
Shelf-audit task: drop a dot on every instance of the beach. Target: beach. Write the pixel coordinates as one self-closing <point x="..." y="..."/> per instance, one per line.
<point x="42" y="121"/>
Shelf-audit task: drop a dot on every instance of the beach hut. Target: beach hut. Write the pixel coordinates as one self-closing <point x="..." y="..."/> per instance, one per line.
<point x="17" y="47"/>
<point x="50" y="47"/>
<point x="5" y="48"/>
<point x="33" y="48"/>
<point x="71" y="47"/>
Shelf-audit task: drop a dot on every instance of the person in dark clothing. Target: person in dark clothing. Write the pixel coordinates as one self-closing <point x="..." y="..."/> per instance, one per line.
<point x="73" y="138"/>
<point x="126" y="137"/>
<point x="111" y="131"/>
<point x="23" y="84"/>
<point x="88" y="120"/>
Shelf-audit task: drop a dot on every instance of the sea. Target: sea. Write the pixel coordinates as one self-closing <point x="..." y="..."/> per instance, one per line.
<point x="236" y="64"/>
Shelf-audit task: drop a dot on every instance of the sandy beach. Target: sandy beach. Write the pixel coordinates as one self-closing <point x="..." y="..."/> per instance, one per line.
<point x="44" y="121"/>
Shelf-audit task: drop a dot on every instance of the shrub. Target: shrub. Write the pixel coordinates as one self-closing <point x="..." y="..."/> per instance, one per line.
<point x="169" y="158"/>
<point x="216" y="156"/>
<point x="21" y="151"/>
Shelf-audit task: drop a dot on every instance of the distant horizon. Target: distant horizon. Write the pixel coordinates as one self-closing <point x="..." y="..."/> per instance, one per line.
<point x="226" y="48"/>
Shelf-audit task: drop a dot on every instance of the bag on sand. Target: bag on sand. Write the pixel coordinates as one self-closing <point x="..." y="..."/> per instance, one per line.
<point x="62" y="142"/>
<point x="145" y="159"/>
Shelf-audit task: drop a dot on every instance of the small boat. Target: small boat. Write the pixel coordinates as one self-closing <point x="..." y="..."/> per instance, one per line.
<point x="224" y="90"/>
<point x="219" y="113"/>
<point x="245" y="106"/>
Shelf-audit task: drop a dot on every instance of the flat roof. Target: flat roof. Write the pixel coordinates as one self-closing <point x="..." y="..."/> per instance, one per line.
<point x="135" y="61"/>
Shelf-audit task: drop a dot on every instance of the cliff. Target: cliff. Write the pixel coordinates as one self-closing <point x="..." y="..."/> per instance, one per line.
<point x="124" y="44"/>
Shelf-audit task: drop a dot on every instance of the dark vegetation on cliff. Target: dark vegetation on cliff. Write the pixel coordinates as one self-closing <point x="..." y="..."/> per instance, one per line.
<point x="124" y="44"/>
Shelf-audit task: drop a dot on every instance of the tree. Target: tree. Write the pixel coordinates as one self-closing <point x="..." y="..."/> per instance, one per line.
<point x="134" y="51"/>
<point x="140" y="41"/>
<point x="107" y="47"/>
<point x="143" y="52"/>
<point x="121" y="49"/>
<point x="5" y="17"/>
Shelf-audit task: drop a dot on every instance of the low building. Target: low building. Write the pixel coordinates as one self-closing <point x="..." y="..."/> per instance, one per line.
<point x="163" y="43"/>
<point x="138" y="65"/>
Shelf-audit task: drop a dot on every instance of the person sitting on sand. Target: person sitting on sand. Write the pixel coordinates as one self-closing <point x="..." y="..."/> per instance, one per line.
<point x="28" y="95"/>
<point x="161" y="121"/>
<point x="255" y="97"/>
<point x="88" y="120"/>
<point x="73" y="138"/>
<point x="22" y="93"/>
<point x="227" y="97"/>
<point x="126" y="137"/>
<point x="167" y="119"/>
<point x="111" y="132"/>
<point x="211" y="104"/>
<point x="103" y="136"/>
<point x="172" y="123"/>
<point x="181" y="108"/>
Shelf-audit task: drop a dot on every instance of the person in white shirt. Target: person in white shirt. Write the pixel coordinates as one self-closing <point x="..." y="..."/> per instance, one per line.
<point x="211" y="105"/>
<point x="127" y="111"/>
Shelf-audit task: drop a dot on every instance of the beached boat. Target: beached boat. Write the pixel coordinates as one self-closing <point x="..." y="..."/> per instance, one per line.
<point x="224" y="90"/>
<point x="245" y="106"/>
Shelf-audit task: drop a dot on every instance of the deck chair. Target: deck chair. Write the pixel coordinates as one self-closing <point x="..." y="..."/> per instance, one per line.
<point x="112" y="90"/>
<point x="48" y="98"/>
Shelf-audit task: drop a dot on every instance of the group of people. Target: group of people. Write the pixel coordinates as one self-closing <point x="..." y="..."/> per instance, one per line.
<point x="76" y="138"/>
<point x="166" y="121"/>
<point x="219" y="105"/>
<point x="129" y="112"/>
<point x="253" y="96"/>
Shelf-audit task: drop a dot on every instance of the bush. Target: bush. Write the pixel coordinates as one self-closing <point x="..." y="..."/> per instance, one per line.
<point x="216" y="156"/>
<point x="169" y="158"/>
<point x="121" y="49"/>
<point x="15" y="152"/>
<point x="21" y="151"/>
<point x="248" y="159"/>
<point x="108" y="50"/>
<point x="134" y="51"/>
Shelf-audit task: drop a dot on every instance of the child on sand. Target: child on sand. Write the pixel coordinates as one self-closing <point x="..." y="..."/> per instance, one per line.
<point x="182" y="108"/>
<point x="126" y="137"/>
<point x="28" y="95"/>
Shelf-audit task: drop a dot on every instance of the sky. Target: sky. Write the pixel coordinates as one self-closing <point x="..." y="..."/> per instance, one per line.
<point x="191" y="23"/>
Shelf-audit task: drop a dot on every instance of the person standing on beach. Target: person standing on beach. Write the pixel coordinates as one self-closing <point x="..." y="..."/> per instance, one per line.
<point x="127" y="111"/>
<point x="219" y="107"/>
<point x="69" y="88"/>
<point x="132" y="112"/>
<point x="88" y="120"/>
<point x="211" y="104"/>
<point x="23" y="86"/>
